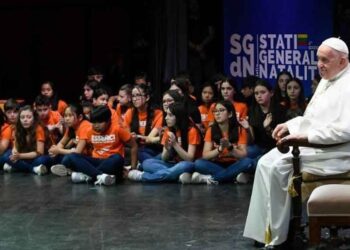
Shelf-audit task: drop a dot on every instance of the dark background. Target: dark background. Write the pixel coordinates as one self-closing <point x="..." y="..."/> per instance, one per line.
<point x="60" y="40"/>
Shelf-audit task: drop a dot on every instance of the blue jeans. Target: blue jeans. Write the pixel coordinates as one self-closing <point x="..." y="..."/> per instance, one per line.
<point x="62" y="159"/>
<point x="156" y="170"/>
<point x="28" y="165"/>
<point x="254" y="152"/>
<point x="221" y="174"/>
<point x="95" y="166"/>
<point x="145" y="153"/>
<point x="4" y="157"/>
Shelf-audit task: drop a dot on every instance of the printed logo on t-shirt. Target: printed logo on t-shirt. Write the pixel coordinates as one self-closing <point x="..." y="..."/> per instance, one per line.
<point x="95" y="139"/>
<point x="142" y="123"/>
<point x="103" y="150"/>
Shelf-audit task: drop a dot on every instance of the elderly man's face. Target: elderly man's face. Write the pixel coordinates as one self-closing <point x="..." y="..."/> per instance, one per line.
<point x="329" y="62"/>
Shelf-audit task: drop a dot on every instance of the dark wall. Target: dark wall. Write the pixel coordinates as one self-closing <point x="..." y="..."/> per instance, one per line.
<point x="59" y="43"/>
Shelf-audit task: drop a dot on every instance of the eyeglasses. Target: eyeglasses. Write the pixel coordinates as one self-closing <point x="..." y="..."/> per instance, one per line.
<point x="168" y="101"/>
<point x="137" y="96"/>
<point x="219" y="111"/>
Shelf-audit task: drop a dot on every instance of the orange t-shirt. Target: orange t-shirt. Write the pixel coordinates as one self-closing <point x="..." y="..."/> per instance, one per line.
<point x="108" y="143"/>
<point x="156" y="123"/>
<point x="40" y="134"/>
<point x="53" y="119"/>
<point x="81" y="132"/>
<point x="223" y="157"/>
<point x="193" y="137"/>
<point x="121" y="116"/>
<point x="7" y="133"/>
<point x="204" y="110"/>
<point x="240" y="108"/>
<point x="61" y="107"/>
<point x="114" y="117"/>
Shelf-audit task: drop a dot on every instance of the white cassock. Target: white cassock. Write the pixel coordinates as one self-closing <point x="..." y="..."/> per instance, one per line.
<point x="326" y="121"/>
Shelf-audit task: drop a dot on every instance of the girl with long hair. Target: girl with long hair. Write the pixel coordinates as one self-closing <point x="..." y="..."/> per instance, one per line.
<point x="180" y="141"/>
<point x="224" y="148"/>
<point x="28" y="153"/>
<point x="144" y="122"/>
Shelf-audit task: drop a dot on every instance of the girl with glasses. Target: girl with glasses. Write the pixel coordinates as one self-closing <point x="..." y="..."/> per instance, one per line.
<point x="224" y="146"/>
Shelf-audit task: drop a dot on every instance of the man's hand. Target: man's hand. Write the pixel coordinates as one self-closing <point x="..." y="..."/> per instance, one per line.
<point x="299" y="137"/>
<point x="279" y="131"/>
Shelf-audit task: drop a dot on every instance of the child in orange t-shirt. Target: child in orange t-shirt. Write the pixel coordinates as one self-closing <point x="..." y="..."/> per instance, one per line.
<point x="73" y="141"/>
<point x="180" y="145"/>
<point x="144" y="122"/>
<point x="8" y="122"/>
<point x="49" y="118"/>
<point x="227" y="92"/>
<point x="124" y="101"/>
<point x="28" y="152"/>
<point x="121" y="102"/>
<point x="100" y="97"/>
<point x="207" y="96"/>
<point x="225" y="150"/>
<point x="48" y="90"/>
<point x="107" y="161"/>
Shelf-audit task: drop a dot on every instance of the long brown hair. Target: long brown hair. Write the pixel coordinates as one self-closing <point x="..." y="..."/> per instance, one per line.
<point x="22" y="144"/>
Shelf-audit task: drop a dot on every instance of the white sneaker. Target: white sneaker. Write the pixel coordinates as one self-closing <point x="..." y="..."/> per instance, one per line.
<point x="211" y="181"/>
<point x="78" y="177"/>
<point x="105" y="179"/>
<point x="7" y="168"/>
<point x="135" y="175"/>
<point x="243" y="178"/>
<point x="59" y="170"/>
<point x="198" y="178"/>
<point x="40" y="170"/>
<point x="185" y="178"/>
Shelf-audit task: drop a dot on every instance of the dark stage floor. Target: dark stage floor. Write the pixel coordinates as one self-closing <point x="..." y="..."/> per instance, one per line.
<point x="52" y="213"/>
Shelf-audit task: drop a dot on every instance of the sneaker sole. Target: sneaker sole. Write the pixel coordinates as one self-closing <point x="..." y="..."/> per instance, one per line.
<point x="59" y="170"/>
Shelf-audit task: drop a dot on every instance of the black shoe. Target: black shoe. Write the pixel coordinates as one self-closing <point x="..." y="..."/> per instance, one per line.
<point x="258" y="244"/>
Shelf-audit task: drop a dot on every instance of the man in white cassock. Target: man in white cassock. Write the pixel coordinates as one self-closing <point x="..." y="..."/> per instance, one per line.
<point x="325" y="121"/>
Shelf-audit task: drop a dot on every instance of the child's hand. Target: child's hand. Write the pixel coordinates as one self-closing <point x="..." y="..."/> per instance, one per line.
<point x="267" y="120"/>
<point x="53" y="151"/>
<point x="14" y="157"/>
<point x="224" y="143"/>
<point x="134" y="135"/>
<point x="243" y="122"/>
<point x="171" y="139"/>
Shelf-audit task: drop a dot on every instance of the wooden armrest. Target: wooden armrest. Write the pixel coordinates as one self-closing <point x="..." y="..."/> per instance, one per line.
<point x="283" y="145"/>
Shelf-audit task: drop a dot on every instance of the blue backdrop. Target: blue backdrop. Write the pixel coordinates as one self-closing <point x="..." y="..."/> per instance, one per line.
<point x="264" y="37"/>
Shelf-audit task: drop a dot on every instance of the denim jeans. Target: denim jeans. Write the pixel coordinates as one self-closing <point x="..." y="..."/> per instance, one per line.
<point x="221" y="174"/>
<point x="145" y="153"/>
<point x="254" y="152"/>
<point x="95" y="166"/>
<point x="62" y="159"/>
<point x="156" y="170"/>
<point x="4" y="157"/>
<point x="28" y="165"/>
